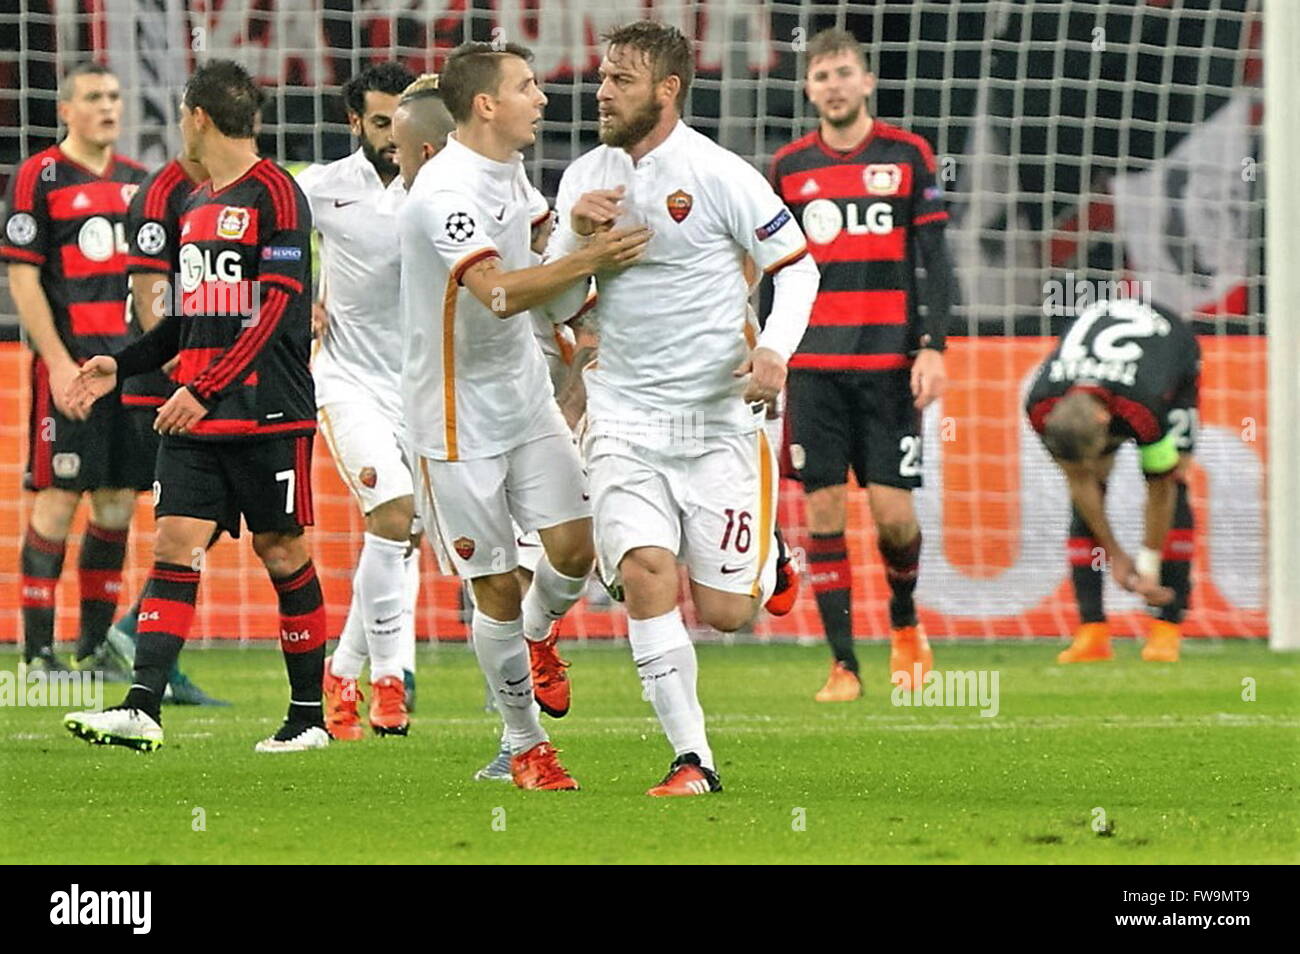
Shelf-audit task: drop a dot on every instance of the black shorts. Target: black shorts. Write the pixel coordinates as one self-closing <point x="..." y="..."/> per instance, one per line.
<point x="108" y="450"/>
<point x="860" y="420"/>
<point x="267" y="481"/>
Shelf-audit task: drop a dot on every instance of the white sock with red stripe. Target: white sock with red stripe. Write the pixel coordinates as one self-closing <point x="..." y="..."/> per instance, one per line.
<point x="550" y="596"/>
<point x="350" y="654"/>
<point x="381" y="581"/>
<point x="412" y="585"/>
<point x="503" y="658"/>
<point x="665" y="661"/>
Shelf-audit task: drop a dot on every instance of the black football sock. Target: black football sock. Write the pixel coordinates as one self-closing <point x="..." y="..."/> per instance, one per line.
<point x="1087" y="569"/>
<point x="99" y="572"/>
<point x="902" y="563"/>
<point x="1176" y="565"/>
<point x="166" y="612"/>
<point x="42" y="565"/>
<point x="302" y="638"/>
<point x="832" y="583"/>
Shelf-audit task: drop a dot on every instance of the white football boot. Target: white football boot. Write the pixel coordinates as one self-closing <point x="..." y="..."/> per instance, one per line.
<point x="132" y="728"/>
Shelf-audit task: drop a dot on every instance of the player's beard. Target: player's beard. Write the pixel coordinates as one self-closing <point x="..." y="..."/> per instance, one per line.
<point x="635" y="128"/>
<point x="385" y="166"/>
<point x="848" y="119"/>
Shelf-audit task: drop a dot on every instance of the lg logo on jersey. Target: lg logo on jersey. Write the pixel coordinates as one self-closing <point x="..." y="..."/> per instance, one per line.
<point x="823" y="221"/>
<point x="199" y="265"/>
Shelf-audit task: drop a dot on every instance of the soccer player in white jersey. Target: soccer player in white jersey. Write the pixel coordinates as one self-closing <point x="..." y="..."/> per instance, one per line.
<point x="357" y="369"/>
<point x="677" y="456"/>
<point x="490" y="439"/>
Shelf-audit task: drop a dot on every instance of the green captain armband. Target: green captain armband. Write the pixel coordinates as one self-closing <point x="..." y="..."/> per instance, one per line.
<point x="1160" y="457"/>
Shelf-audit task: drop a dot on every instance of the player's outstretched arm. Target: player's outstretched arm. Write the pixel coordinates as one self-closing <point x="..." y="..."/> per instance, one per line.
<point x="509" y="293"/>
<point x="96" y="378"/>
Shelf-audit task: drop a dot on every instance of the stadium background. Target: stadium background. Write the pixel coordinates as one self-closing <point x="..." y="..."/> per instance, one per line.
<point x="1068" y="134"/>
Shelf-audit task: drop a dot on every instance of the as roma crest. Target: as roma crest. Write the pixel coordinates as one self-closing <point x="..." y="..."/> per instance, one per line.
<point x="368" y="477"/>
<point x="679" y="205"/>
<point x="464" y="547"/>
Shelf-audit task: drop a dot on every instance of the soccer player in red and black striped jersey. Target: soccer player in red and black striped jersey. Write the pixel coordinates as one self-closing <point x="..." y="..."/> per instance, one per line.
<point x="63" y="242"/>
<point x="237" y="433"/>
<point x="870" y="205"/>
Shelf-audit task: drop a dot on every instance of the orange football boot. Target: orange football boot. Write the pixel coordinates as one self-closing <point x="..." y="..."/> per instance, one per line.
<point x="842" y="685"/>
<point x="786" y="591"/>
<point x="540" y="768"/>
<point x="1162" y="642"/>
<point x="686" y="776"/>
<point x="341" y="697"/>
<point x="1091" y="644"/>
<point x="551" y="686"/>
<point x="908" y="650"/>
<point x="388" y="707"/>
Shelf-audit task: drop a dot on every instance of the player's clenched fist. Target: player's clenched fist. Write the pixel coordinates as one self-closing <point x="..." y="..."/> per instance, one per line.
<point x="94" y="379"/>
<point x="596" y="210"/>
<point x="617" y="248"/>
<point x="766" y="372"/>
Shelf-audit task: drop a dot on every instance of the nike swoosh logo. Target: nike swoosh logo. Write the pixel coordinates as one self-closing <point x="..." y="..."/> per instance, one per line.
<point x="389" y="619"/>
<point x="340" y="205"/>
<point x="518" y="681"/>
<point x="731" y="569"/>
<point x="501" y="215"/>
<point x="523" y="544"/>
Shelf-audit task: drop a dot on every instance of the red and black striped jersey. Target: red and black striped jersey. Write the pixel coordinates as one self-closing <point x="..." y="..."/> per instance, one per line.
<point x="71" y="223"/>
<point x="859" y="210"/>
<point x="153" y="229"/>
<point x="242" y="327"/>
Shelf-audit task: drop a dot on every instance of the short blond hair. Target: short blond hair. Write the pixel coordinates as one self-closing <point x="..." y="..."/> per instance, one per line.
<point x="423" y="85"/>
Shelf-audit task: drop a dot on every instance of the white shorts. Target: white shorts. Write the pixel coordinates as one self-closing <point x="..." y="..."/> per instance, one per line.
<point x="716" y="511"/>
<point x="530" y="549"/>
<point x="540" y="484"/>
<point x="368" y="452"/>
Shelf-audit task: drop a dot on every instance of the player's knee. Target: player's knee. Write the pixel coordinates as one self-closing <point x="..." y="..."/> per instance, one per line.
<point x="646" y="567"/>
<point x="112" y="509"/>
<point x="498" y="595"/>
<point x="897" y="532"/>
<point x="826" y="509"/>
<point x="392" y="519"/>
<point x="727" y="614"/>
<point x="576" y="558"/>
<point x="281" y="553"/>
<point x="52" y="513"/>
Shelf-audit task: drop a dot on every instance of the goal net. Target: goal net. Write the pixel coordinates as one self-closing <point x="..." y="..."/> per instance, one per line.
<point x="1070" y="136"/>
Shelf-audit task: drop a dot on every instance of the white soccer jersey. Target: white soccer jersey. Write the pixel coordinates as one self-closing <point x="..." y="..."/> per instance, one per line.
<point x="361" y="354"/>
<point x="673" y="326"/>
<point x="473" y="384"/>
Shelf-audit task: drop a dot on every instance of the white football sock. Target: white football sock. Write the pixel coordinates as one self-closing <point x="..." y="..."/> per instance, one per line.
<point x="381" y="580"/>
<point x="550" y="596"/>
<point x="412" y="600"/>
<point x="351" y="653"/>
<point x="503" y="657"/>
<point x="665" y="661"/>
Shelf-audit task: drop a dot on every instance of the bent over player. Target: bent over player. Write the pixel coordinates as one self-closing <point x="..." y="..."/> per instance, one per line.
<point x="237" y="433"/>
<point x="871" y="208"/>
<point x="1124" y="370"/>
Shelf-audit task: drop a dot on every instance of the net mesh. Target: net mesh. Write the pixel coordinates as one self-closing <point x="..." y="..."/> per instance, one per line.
<point x="1071" y="136"/>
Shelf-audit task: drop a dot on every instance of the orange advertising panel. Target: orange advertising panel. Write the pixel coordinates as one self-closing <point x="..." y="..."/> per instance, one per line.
<point x="994" y="515"/>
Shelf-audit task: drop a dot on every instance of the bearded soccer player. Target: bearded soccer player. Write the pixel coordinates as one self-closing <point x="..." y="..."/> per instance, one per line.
<point x="357" y="369"/>
<point x="237" y="433"/>
<point x="675" y="447"/>
<point x="62" y="240"/>
<point x="872" y="209"/>
<point x="153" y="235"/>
<point x="1124" y="370"/>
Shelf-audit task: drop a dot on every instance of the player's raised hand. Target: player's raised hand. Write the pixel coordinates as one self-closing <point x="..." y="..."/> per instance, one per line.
<point x="766" y="371"/>
<point x="181" y="412"/>
<point x="1125" y="573"/>
<point x="90" y="382"/>
<point x="929" y="379"/>
<point x="595" y="210"/>
<point x="618" y="248"/>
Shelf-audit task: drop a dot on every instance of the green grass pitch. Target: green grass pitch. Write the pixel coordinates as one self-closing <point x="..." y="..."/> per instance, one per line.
<point x="1118" y="763"/>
